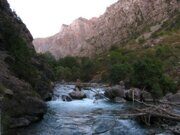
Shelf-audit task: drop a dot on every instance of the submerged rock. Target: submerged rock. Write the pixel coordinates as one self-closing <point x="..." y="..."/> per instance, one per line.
<point x="103" y="125"/>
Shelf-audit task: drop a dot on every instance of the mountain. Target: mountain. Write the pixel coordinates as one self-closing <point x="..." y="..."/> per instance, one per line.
<point x="123" y="21"/>
<point x="25" y="79"/>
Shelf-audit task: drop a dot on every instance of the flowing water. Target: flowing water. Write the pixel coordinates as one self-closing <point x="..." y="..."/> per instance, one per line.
<point x="84" y="117"/>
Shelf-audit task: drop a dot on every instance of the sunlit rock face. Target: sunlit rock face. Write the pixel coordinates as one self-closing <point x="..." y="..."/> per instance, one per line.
<point x="124" y="20"/>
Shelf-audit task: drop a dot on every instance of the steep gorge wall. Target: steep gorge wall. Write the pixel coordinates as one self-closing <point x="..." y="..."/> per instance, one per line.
<point x="24" y="81"/>
<point x="122" y="21"/>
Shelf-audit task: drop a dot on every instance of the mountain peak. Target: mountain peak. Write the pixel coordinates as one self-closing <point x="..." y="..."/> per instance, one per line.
<point x="122" y="21"/>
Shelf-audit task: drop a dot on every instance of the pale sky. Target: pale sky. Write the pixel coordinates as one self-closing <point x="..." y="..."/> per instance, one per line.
<point x="45" y="17"/>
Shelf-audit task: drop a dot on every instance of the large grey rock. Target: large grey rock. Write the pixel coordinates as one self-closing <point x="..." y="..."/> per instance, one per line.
<point x="174" y="98"/>
<point x="19" y="122"/>
<point x="77" y="95"/>
<point x="115" y="91"/>
<point x="133" y="93"/>
<point x="119" y="100"/>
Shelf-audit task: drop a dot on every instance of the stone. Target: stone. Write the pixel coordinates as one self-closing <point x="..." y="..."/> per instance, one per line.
<point x="129" y="94"/>
<point x="77" y="95"/>
<point x="115" y="91"/>
<point x="66" y="98"/>
<point x="8" y="92"/>
<point x="174" y="98"/>
<point x="99" y="96"/>
<point x="19" y="122"/>
<point x="119" y="100"/>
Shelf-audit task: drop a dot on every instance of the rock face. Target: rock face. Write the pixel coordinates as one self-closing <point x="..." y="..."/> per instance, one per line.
<point x="21" y="91"/>
<point x="122" y="21"/>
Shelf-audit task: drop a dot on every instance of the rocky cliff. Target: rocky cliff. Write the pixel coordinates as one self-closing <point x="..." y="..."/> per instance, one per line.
<point x="24" y="78"/>
<point x="124" y="20"/>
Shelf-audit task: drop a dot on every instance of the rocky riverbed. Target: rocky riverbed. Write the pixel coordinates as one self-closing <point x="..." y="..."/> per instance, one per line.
<point x="86" y="117"/>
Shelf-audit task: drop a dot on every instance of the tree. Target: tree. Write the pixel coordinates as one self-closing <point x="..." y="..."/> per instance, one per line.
<point x="148" y="73"/>
<point x="119" y="72"/>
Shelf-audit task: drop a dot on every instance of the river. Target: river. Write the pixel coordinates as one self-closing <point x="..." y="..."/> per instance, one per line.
<point x="84" y="117"/>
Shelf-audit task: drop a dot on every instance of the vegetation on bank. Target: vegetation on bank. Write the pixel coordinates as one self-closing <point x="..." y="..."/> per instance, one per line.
<point x="151" y="67"/>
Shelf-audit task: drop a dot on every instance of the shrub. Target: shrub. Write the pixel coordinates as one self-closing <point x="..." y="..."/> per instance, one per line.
<point x="48" y="58"/>
<point x="63" y="73"/>
<point x="148" y="73"/>
<point x="68" y="62"/>
<point x="163" y="52"/>
<point x="119" y="72"/>
<point x="87" y="69"/>
<point x="167" y="84"/>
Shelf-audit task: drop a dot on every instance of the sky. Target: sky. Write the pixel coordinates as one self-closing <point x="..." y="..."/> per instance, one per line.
<point x="44" y="17"/>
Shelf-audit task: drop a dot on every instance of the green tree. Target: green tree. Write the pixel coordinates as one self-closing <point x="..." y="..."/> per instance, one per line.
<point x="68" y="62"/>
<point x="119" y="72"/>
<point x="87" y="69"/>
<point x="148" y="73"/>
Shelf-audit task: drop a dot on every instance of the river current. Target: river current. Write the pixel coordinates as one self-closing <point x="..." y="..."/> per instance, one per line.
<point x="84" y="117"/>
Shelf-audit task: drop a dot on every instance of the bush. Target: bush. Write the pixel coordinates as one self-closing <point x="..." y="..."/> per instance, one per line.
<point x="87" y="69"/>
<point x="148" y="73"/>
<point x="119" y="72"/>
<point x="163" y="52"/>
<point x="63" y="73"/>
<point x="167" y="84"/>
<point x="48" y="58"/>
<point x="115" y="57"/>
<point x="68" y="62"/>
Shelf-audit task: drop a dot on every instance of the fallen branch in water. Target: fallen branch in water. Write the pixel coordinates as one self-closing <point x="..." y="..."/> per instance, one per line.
<point x="159" y="111"/>
<point x="97" y="93"/>
<point x="170" y="103"/>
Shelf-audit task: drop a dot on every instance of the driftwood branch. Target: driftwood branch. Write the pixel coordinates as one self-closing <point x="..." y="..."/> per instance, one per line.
<point x="158" y="111"/>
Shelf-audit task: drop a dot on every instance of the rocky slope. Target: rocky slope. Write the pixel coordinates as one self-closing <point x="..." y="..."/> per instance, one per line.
<point x="24" y="79"/>
<point x="122" y="21"/>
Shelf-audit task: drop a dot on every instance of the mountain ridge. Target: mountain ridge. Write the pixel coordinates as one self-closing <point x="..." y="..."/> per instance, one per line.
<point x="124" y="20"/>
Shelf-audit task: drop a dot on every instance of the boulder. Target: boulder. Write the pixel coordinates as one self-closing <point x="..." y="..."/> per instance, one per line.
<point x="19" y="122"/>
<point x="174" y="98"/>
<point x="99" y="96"/>
<point x="77" y="95"/>
<point x="66" y="98"/>
<point x="119" y="100"/>
<point x="115" y="91"/>
<point x="8" y="92"/>
<point x="146" y="96"/>
<point x="129" y="94"/>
